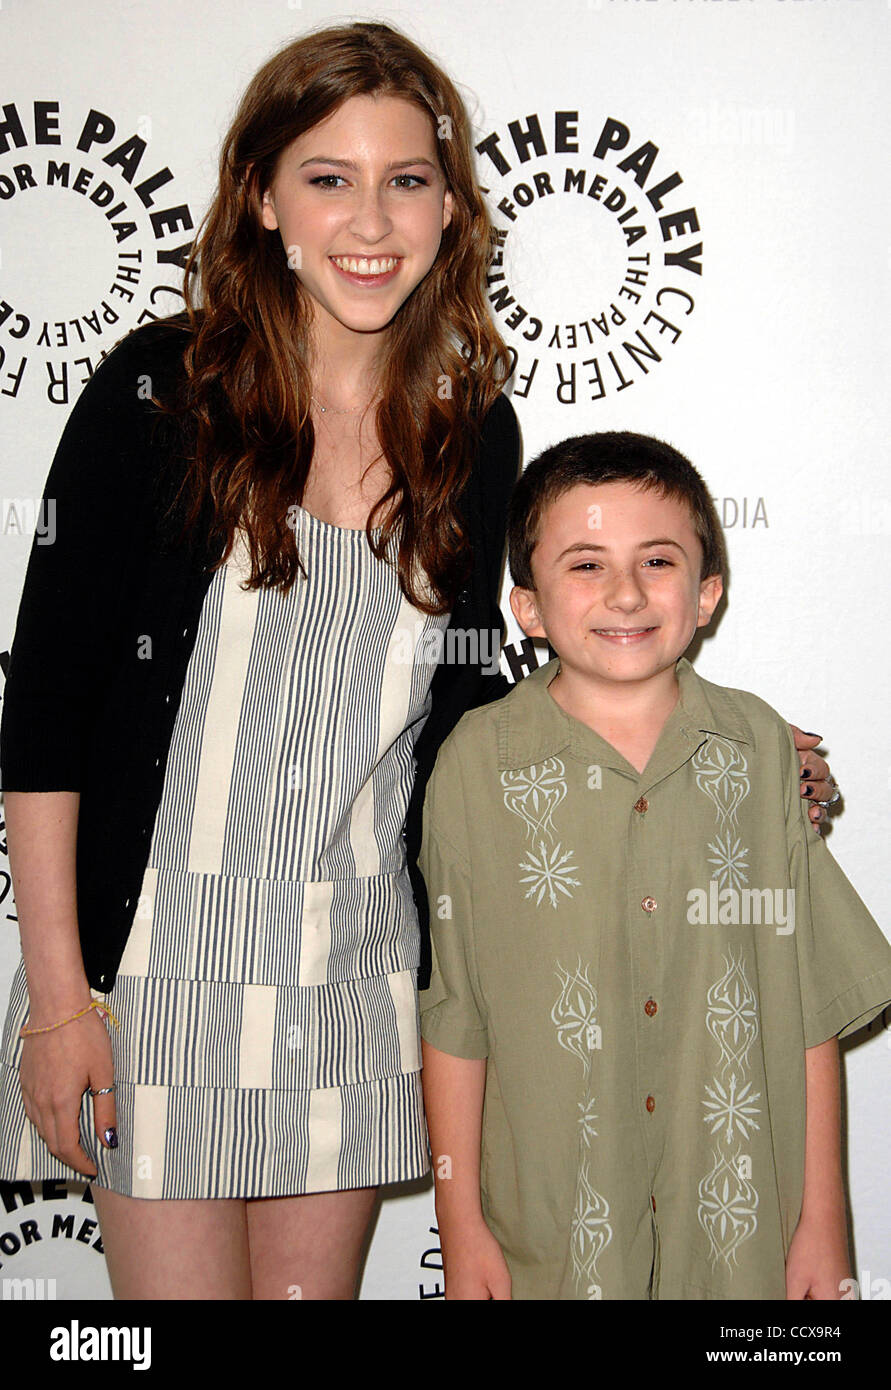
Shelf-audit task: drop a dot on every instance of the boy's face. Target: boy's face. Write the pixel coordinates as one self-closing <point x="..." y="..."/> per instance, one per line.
<point x="618" y="593"/>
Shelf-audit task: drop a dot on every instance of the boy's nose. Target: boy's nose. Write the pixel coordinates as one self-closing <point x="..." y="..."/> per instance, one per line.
<point x="625" y="592"/>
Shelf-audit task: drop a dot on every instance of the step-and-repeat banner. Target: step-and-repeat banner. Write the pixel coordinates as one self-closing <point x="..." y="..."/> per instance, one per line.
<point x="692" y="215"/>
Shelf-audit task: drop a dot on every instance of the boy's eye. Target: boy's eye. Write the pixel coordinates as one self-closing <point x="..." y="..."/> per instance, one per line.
<point x="657" y="560"/>
<point x="587" y="565"/>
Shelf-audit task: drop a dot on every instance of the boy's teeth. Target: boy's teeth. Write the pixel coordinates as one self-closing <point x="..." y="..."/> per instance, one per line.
<point x="361" y="265"/>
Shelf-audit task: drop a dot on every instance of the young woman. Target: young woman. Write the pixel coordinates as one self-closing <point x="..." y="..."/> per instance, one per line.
<point x="274" y="513"/>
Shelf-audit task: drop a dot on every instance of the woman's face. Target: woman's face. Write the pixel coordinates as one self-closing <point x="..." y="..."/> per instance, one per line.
<point x="360" y="202"/>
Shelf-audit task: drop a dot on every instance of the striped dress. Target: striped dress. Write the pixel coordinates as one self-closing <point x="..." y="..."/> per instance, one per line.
<point x="268" y="1041"/>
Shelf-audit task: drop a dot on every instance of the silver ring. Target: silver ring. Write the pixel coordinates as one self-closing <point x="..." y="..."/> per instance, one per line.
<point x="106" y="1090"/>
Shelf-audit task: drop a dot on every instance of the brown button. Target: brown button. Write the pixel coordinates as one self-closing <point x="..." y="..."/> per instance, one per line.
<point x="650" y="1007"/>
<point x="649" y="904"/>
<point x="651" y="1104"/>
<point x="653" y="1200"/>
<point x="641" y="805"/>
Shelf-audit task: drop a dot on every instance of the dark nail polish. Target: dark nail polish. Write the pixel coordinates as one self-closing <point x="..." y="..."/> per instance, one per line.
<point x="111" y="1138"/>
<point x="808" y="734"/>
<point x="806" y="772"/>
<point x="808" y="791"/>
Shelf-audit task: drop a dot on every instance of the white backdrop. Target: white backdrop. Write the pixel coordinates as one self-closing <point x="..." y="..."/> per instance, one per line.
<point x="768" y="365"/>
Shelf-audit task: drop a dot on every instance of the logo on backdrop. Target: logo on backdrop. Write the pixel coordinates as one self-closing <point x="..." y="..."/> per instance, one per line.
<point x="96" y="245"/>
<point x="598" y="256"/>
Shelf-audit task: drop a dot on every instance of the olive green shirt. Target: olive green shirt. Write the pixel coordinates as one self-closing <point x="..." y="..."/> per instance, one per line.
<point x="642" y="958"/>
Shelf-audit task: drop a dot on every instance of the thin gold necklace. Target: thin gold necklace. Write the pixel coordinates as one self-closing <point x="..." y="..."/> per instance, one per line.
<point x="353" y="410"/>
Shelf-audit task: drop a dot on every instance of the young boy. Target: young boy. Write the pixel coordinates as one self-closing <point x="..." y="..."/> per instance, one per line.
<point x="642" y="954"/>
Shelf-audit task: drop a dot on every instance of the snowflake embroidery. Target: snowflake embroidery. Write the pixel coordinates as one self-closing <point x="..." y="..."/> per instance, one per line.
<point x="732" y="1107"/>
<point x="549" y="872"/>
<point x="731" y="871"/>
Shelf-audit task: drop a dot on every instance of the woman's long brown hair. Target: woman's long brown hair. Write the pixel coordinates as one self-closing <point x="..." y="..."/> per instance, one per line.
<point x="246" y="389"/>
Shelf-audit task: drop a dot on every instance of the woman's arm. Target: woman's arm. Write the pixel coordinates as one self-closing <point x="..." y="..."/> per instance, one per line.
<point x="56" y="1066"/>
<point x="454" y="1087"/>
<point x="818" y="1258"/>
<point x="41" y="830"/>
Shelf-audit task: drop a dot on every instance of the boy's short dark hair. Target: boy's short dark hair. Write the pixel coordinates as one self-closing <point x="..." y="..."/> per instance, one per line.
<point x="609" y="457"/>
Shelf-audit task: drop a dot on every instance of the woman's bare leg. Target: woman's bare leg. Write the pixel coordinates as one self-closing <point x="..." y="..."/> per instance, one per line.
<point x="308" y="1246"/>
<point x="158" y="1249"/>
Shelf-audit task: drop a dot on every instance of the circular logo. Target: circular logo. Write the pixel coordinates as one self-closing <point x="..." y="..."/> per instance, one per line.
<point x="598" y="254"/>
<point x="94" y="243"/>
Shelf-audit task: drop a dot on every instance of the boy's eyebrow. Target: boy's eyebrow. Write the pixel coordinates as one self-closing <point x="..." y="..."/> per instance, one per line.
<point x="643" y="545"/>
<point x="350" y="164"/>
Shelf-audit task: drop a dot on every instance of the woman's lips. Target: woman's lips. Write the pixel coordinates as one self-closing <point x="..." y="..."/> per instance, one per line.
<point x="368" y="281"/>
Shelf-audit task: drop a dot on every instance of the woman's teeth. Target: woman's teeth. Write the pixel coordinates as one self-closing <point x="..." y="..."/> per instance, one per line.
<point x="362" y="266"/>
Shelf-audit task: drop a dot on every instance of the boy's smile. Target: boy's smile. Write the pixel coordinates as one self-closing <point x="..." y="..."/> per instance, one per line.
<point x="618" y="591"/>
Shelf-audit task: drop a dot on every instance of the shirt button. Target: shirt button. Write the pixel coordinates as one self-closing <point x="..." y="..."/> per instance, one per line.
<point x="641" y="805"/>
<point x="650" y="1007"/>
<point x="649" y="904"/>
<point x="651" y="1104"/>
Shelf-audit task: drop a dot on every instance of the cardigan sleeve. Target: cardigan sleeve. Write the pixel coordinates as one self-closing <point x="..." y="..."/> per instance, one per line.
<point x="95" y="497"/>
<point x="500" y="468"/>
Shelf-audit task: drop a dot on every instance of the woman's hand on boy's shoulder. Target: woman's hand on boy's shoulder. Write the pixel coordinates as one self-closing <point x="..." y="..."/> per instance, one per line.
<point x="816" y="781"/>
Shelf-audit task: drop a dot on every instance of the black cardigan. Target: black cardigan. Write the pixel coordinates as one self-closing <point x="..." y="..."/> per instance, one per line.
<point x="107" y="623"/>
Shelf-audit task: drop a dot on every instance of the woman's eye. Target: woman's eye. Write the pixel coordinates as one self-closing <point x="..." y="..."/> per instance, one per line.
<point x="322" y="180"/>
<point x="416" y="179"/>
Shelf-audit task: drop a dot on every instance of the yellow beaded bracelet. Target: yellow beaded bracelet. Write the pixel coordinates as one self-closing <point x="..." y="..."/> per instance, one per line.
<point x="94" y="1004"/>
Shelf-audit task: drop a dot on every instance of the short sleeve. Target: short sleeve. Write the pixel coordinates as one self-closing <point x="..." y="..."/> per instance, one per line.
<point x="453" y="1015"/>
<point x="844" y="959"/>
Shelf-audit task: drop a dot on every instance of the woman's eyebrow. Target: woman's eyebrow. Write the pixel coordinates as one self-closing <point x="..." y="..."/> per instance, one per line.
<point x="350" y="164"/>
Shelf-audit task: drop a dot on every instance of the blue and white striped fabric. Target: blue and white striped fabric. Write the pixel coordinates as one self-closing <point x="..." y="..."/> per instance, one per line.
<point x="269" y="1041"/>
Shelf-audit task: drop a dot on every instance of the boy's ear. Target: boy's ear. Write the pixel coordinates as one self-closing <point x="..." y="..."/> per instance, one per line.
<point x="710" y="591"/>
<point x="525" y="610"/>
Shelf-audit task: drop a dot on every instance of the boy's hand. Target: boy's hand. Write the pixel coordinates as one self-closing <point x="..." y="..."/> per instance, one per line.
<point x="818" y="1259"/>
<point x="817" y="782"/>
<point x="473" y="1264"/>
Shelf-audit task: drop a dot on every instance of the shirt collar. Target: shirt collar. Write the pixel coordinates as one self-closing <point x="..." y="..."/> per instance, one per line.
<point x="532" y="726"/>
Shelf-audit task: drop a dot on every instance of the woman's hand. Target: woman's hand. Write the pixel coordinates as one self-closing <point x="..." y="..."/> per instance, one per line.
<point x="474" y="1264"/>
<point x="817" y="782"/>
<point x="56" y="1068"/>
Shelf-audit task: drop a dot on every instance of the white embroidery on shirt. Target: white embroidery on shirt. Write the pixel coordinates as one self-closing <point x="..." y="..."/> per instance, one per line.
<point x="722" y="773"/>
<point x="574" y="1015"/>
<point x="727" y="1206"/>
<point x="732" y="1015"/>
<point x="732" y="1108"/>
<point x="534" y="793"/>
<point x="730" y="859"/>
<point x="728" y="1201"/>
<point x="548" y="871"/>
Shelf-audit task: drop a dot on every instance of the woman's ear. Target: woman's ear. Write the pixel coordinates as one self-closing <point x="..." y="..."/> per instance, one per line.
<point x="448" y="208"/>
<point x="267" y="212"/>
